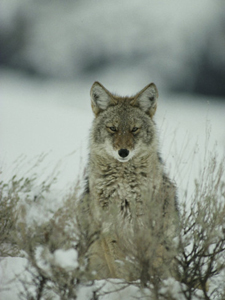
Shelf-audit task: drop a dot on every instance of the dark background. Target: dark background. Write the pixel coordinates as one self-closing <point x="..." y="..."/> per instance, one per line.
<point x="178" y="44"/>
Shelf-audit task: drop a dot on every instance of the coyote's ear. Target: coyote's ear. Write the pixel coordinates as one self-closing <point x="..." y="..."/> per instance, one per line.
<point x="147" y="99"/>
<point x="100" y="98"/>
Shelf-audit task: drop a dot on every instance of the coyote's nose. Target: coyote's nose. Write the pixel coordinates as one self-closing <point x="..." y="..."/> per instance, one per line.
<point x="123" y="152"/>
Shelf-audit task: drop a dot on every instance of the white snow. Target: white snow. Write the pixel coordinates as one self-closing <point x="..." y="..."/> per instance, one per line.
<point x="66" y="259"/>
<point x="10" y="270"/>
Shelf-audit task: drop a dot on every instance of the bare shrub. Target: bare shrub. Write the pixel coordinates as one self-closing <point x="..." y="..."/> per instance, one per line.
<point x="48" y="247"/>
<point x="53" y="244"/>
<point x="201" y="242"/>
<point x="10" y="194"/>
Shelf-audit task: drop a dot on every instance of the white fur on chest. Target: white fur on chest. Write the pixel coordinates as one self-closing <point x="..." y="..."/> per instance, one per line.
<point x="113" y="184"/>
<point x="118" y="190"/>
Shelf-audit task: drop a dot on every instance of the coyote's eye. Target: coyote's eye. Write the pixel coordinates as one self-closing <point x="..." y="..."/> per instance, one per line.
<point x="113" y="128"/>
<point x="134" y="129"/>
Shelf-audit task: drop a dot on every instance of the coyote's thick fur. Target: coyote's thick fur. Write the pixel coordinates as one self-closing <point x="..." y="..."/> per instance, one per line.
<point x="128" y="196"/>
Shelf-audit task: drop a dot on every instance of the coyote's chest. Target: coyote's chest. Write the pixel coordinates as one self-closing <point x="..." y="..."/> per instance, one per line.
<point x="120" y="189"/>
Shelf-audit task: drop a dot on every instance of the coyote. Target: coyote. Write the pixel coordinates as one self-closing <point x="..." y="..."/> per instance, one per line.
<point x="128" y="196"/>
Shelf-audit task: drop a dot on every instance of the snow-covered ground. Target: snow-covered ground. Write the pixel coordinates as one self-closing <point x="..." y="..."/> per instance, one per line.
<point x="54" y="118"/>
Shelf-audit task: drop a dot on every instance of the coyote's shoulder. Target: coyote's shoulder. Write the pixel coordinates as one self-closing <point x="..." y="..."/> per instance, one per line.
<point x="127" y="187"/>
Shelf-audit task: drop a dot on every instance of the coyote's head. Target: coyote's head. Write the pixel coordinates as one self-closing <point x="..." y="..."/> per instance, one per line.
<point x="123" y="126"/>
